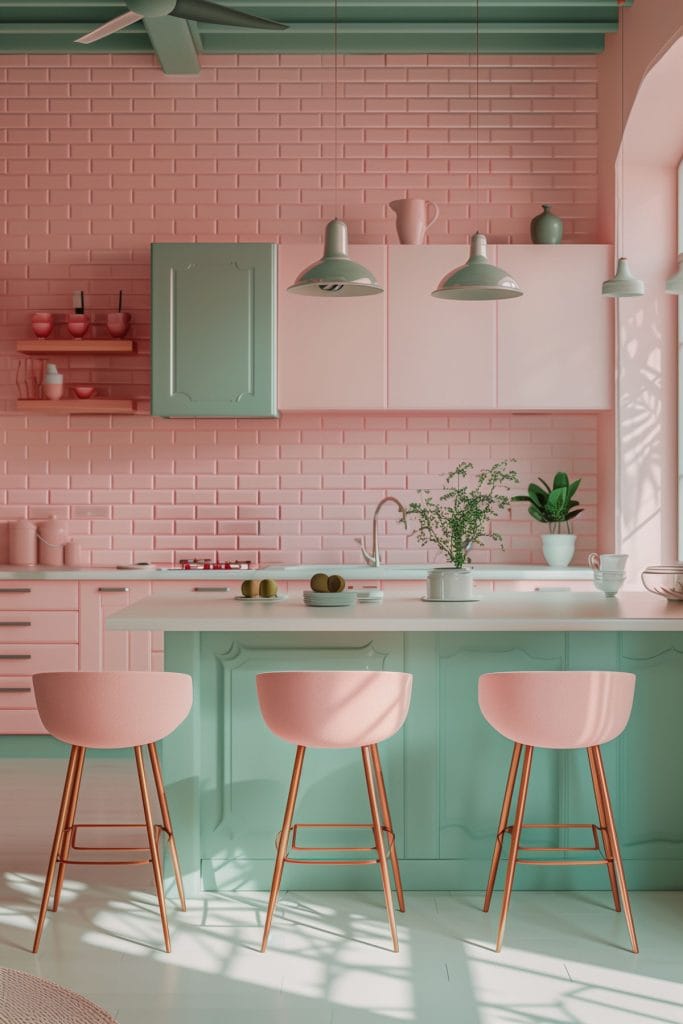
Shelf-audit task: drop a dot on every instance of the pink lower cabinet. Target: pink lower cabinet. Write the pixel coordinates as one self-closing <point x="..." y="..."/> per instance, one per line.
<point x="441" y="353"/>
<point x="38" y="633"/>
<point x="102" y="650"/>
<point x="331" y="351"/>
<point x="555" y="343"/>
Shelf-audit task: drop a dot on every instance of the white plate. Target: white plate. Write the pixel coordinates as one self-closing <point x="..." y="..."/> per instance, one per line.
<point x="343" y="599"/>
<point x="278" y="597"/>
<point x="450" y="600"/>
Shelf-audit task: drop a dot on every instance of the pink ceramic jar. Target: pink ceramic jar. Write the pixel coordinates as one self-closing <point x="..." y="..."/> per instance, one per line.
<point x="52" y="536"/>
<point x="23" y="543"/>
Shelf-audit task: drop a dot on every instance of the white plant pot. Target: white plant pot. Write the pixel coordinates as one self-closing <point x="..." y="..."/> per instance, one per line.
<point x="450" y="584"/>
<point x="558" y="548"/>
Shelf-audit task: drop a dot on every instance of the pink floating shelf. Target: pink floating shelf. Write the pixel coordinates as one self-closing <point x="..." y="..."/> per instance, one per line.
<point x="88" y="406"/>
<point x="74" y="346"/>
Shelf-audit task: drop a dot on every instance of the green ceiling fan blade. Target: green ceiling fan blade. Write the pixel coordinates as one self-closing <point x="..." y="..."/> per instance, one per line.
<point x="205" y="10"/>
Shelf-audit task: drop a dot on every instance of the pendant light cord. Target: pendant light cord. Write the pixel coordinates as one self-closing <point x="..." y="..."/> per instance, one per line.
<point x="476" y="117"/>
<point x="335" y="130"/>
<point x="621" y="25"/>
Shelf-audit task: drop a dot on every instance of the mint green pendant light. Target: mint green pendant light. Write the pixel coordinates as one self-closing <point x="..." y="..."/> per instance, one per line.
<point x="624" y="285"/>
<point x="477" y="279"/>
<point x="336" y="275"/>
<point x="674" y="285"/>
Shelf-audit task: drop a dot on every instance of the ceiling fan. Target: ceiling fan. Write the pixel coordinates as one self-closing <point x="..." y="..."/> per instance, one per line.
<point x="197" y="10"/>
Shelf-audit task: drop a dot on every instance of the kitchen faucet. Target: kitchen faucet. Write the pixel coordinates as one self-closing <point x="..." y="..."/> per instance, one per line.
<point x="373" y="557"/>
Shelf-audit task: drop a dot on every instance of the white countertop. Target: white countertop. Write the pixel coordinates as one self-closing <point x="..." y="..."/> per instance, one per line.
<point x="296" y="572"/>
<point x="518" y="612"/>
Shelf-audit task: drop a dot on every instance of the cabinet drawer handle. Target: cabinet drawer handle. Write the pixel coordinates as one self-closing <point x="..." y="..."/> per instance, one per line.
<point x="113" y="590"/>
<point x="15" y="590"/>
<point x="15" y="657"/>
<point x="206" y="590"/>
<point x="15" y="689"/>
<point x="15" y="623"/>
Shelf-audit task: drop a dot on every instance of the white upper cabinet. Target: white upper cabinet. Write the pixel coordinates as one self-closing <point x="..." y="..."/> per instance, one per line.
<point x="550" y="349"/>
<point x="555" y="343"/>
<point x="331" y="351"/>
<point x="442" y="353"/>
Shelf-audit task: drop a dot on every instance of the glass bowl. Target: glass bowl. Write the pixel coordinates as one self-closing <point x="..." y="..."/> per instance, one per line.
<point x="664" y="580"/>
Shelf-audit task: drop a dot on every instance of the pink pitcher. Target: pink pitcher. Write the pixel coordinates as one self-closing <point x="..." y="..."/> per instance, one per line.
<point x="411" y="219"/>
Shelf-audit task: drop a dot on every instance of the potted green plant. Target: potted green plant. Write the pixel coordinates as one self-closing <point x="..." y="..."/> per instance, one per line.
<point x="556" y="507"/>
<point x="459" y="518"/>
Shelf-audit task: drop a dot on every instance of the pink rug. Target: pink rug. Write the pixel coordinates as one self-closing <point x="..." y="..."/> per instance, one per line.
<point x="25" y="999"/>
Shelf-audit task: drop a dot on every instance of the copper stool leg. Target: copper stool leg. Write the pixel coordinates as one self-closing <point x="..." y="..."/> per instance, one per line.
<point x="379" y="843"/>
<point x="166" y="819"/>
<point x="600" y="804"/>
<point x="514" y="844"/>
<point x="153" y="849"/>
<point x="614" y="843"/>
<point x="282" y="844"/>
<point x="503" y="823"/>
<point x="68" y="826"/>
<point x="386" y="815"/>
<point x="57" y="841"/>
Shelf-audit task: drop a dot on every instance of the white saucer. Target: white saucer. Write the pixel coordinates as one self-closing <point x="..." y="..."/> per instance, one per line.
<point x="450" y="600"/>
<point x="278" y="597"/>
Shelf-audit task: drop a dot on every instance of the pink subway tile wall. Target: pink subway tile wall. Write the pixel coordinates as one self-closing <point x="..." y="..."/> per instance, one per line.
<point x="293" y="490"/>
<point x="101" y="155"/>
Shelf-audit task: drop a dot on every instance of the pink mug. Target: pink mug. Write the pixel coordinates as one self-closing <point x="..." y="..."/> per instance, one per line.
<point x="411" y="219"/>
<point x="118" y="324"/>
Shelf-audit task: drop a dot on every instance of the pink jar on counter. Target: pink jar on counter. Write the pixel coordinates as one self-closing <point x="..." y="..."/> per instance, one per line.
<point x="23" y="543"/>
<point x="52" y="536"/>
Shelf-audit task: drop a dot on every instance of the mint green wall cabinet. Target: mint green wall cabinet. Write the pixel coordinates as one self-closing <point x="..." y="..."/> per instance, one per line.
<point x="213" y="329"/>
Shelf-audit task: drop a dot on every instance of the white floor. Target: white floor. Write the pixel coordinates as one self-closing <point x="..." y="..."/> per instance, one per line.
<point x="565" y="960"/>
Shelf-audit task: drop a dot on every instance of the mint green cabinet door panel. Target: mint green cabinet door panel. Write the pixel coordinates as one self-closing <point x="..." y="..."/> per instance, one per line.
<point x="246" y="770"/>
<point x="213" y="329"/>
<point x="649" y="763"/>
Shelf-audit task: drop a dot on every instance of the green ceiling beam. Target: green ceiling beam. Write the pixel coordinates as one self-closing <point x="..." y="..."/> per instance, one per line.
<point x="365" y="26"/>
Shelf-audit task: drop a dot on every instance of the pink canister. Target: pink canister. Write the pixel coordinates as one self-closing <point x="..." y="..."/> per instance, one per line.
<point x="52" y="536"/>
<point x="23" y="543"/>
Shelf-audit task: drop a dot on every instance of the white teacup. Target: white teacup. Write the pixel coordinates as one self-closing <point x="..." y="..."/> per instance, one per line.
<point x="609" y="563"/>
<point x="608" y="582"/>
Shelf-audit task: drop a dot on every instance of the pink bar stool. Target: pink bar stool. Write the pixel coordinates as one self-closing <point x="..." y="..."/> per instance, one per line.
<point x="108" y="710"/>
<point x="561" y="711"/>
<point x="331" y="710"/>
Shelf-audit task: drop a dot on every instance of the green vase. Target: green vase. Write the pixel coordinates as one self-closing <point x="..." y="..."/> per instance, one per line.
<point x="546" y="228"/>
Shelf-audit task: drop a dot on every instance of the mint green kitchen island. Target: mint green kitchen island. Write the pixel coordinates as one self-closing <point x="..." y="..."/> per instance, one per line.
<point x="227" y="776"/>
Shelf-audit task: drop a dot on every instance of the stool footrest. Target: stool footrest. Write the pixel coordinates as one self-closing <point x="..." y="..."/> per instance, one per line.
<point x="73" y="829"/>
<point x="595" y="848"/>
<point x="587" y="862"/>
<point x="298" y="847"/>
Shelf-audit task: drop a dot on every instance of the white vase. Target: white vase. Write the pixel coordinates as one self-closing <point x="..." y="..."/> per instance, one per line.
<point x="558" y="548"/>
<point x="450" y="584"/>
